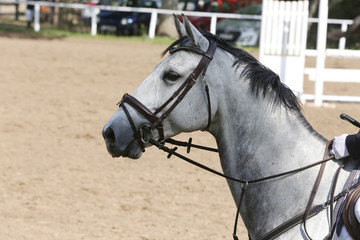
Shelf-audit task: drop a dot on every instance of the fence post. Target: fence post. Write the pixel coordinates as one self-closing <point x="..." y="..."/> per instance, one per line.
<point x="37" y="17"/>
<point x="152" y="26"/>
<point x="17" y="10"/>
<point x="93" y="21"/>
<point x="321" y="47"/>
<point x="342" y="40"/>
<point x="283" y="40"/>
<point x="213" y="24"/>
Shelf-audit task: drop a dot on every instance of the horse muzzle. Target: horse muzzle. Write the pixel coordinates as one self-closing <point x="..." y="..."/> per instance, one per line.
<point x="119" y="141"/>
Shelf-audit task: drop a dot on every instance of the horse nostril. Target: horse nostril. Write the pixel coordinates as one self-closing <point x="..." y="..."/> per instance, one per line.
<point x="109" y="135"/>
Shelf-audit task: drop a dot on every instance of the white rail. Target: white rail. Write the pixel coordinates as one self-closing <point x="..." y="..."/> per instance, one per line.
<point x="283" y="40"/>
<point x="155" y="12"/>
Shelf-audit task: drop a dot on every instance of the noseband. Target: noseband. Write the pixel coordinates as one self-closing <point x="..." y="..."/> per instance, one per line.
<point x="143" y="134"/>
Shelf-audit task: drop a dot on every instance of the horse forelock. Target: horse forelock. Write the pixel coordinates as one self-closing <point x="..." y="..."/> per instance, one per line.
<point x="181" y="41"/>
<point x="263" y="81"/>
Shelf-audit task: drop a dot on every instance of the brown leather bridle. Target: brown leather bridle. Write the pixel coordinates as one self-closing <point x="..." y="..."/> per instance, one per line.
<point x="143" y="134"/>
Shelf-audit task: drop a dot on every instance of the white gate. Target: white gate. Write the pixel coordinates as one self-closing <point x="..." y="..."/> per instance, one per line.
<point x="283" y="40"/>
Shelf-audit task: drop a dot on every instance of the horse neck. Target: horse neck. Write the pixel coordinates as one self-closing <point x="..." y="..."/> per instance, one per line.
<point x="257" y="140"/>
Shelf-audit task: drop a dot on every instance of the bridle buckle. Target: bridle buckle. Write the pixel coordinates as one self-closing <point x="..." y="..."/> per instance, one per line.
<point x="145" y="133"/>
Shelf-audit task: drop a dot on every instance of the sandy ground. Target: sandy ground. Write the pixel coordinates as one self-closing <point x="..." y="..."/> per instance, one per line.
<point x="57" y="180"/>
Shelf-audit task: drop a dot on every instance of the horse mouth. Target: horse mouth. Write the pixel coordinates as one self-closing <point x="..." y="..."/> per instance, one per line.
<point x="129" y="152"/>
<point x="113" y="150"/>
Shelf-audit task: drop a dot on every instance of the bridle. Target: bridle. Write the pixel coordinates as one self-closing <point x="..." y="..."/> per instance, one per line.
<point x="143" y="134"/>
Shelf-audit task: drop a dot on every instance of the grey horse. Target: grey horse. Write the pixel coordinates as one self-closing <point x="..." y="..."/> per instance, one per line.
<point x="256" y="121"/>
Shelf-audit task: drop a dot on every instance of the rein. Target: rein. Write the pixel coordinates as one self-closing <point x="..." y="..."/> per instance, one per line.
<point x="310" y="210"/>
<point x="172" y="151"/>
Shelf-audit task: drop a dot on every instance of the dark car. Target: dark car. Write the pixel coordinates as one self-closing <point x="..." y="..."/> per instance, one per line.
<point x="241" y="32"/>
<point x="126" y="23"/>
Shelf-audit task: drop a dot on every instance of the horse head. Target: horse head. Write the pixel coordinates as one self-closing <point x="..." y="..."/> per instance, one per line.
<point x="171" y="100"/>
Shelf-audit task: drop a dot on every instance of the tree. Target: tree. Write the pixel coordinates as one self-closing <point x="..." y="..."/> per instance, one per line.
<point x="166" y="24"/>
<point x="338" y="9"/>
<point x="345" y="9"/>
<point x="313" y="10"/>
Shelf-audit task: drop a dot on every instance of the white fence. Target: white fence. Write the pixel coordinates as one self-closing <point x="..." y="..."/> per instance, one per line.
<point x="153" y="11"/>
<point x="320" y="74"/>
<point x="283" y="40"/>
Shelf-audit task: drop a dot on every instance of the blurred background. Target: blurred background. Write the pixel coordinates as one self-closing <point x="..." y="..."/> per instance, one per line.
<point x="78" y="19"/>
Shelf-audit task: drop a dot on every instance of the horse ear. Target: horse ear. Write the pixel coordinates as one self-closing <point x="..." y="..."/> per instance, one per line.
<point x="179" y="27"/>
<point x="195" y="36"/>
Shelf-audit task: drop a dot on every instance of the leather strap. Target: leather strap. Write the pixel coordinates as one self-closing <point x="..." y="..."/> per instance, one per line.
<point x="312" y="196"/>
<point x="244" y="187"/>
<point x="316" y="187"/>
<point x="154" y="120"/>
<point x="292" y="222"/>
<point x="136" y="134"/>
<point x="351" y="223"/>
<point x="192" y="49"/>
<point x="175" y="99"/>
<point x="139" y="107"/>
<point x="310" y="210"/>
<point x="299" y="218"/>
<point x="191" y="80"/>
<point x="332" y="200"/>
<point x="207" y="91"/>
<point x="283" y="227"/>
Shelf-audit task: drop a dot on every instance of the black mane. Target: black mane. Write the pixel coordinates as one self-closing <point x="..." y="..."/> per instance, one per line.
<point x="262" y="80"/>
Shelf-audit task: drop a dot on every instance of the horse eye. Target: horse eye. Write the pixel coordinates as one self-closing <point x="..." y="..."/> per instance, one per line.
<point x="171" y="76"/>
